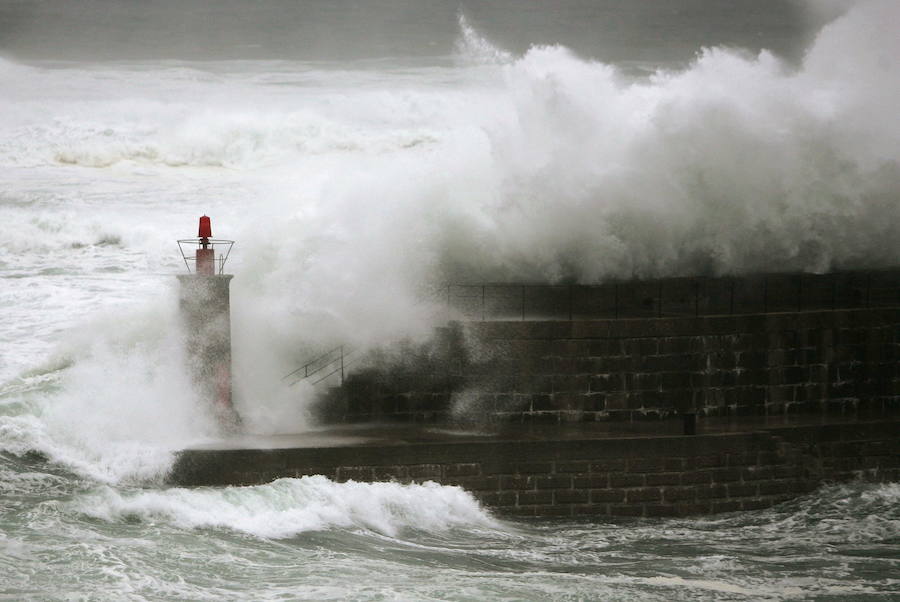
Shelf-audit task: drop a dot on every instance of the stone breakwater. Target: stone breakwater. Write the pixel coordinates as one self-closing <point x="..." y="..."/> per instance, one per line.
<point x="801" y="388"/>
<point x="562" y="473"/>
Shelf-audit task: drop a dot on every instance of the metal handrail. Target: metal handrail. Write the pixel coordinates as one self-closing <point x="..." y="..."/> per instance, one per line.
<point x="213" y="243"/>
<point x="343" y="353"/>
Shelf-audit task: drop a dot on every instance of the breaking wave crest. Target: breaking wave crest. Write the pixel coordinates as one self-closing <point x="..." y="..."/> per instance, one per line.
<point x="288" y="507"/>
<point x="234" y="140"/>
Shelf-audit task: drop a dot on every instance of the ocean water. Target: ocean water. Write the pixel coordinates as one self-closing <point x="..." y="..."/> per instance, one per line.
<point x="362" y="155"/>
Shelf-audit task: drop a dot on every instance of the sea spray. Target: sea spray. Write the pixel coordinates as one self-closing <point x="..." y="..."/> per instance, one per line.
<point x="120" y="410"/>
<point x="473" y="48"/>
<point x="735" y="164"/>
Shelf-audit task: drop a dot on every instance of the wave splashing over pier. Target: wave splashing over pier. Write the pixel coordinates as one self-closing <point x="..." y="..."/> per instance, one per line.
<point x="360" y="169"/>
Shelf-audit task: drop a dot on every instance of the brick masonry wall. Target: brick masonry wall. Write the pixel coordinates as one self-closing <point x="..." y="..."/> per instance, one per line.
<point x="757" y="364"/>
<point x="646" y="476"/>
<point x="826" y="362"/>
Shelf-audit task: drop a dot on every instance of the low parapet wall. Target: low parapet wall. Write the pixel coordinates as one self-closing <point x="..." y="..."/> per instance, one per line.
<point x="699" y="296"/>
<point x="564" y="476"/>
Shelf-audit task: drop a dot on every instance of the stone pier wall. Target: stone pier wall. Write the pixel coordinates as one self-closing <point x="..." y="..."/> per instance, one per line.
<point x="639" y="476"/>
<point x="844" y="362"/>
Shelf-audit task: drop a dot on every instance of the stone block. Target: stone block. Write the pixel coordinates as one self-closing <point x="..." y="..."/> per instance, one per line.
<point x="696" y="477"/>
<point x="714" y="491"/>
<point x="629" y="510"/>
<point x="531" y="468"/>
<point x="757" y="473"/>
<point x="757" y="504"/>
<point x="491" y="483"/>
<point x="663" y="478"/>
<point x="673" y="464"/>
<point x="593" y="402"/>
<point x="553" y="510"/>
<point x="497" y="499"/>
<point x="738" y="490"/>
<point x="355" y="473"/>
<point x="591" y="510"/>
<point x="693" y="508"/>
<point x="727" y="475"/>
<point x="676" y="494"/>
<point x="515" y="482"/>
<point x="607" y="496"/>
<point x="653" y="510"/>
<point x="553" y="482"/>
<point x="708" y="461"/>
<point x="528" y="498"/>
<point x="777" y="487"/>
<point x="674" y="380"/>
<point x="646" y="464"/>
<point x="519" y="511"/>
<point x="720" y="506"/>
<point x="594" y="481"/>
<point x="388" y="473"/>
<point x="646" y="494"/>
<point x="573" y="467"/>
<point x="604" y="383"/>
<point x="571" y="496"/>
<point x="542" y="403"/>
<point x="606" y="465"/>
<point x="592" y="329"/>
<point x="462" y="470"/>
<point x="616" y="401"/>
<point x="626" y="480"/>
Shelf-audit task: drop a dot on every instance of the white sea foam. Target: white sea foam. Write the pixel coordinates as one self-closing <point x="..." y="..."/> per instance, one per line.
<point x="288" y="507"/>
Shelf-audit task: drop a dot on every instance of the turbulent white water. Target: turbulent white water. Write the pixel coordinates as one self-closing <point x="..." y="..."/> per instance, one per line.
<point x="313" y="539"/>
<point x="355" y="189"/>
<point x="291" y="506"/>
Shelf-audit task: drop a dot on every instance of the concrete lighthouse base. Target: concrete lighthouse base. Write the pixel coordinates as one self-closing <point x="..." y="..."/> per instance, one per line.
<point x="206" y="314"/>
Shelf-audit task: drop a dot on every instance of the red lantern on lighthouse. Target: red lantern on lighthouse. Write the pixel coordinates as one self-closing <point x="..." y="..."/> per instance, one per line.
<point x="205" y="227"/>
<point x="205" y="260"/>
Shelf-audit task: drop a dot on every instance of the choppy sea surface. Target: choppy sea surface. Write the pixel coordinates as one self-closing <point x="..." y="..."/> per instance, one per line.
<point x="311" y="539"/>
<point x="361" y="158"/>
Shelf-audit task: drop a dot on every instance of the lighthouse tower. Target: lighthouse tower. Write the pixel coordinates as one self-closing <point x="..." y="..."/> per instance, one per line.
<point x="206" y="315"/>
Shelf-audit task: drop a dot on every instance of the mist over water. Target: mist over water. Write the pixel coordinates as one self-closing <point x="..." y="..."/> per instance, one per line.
<point x="363" y="155"/>
<point x="346" y="30"/>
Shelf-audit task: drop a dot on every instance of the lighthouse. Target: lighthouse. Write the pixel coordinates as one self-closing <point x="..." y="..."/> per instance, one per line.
<point x="204" y="302"/>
